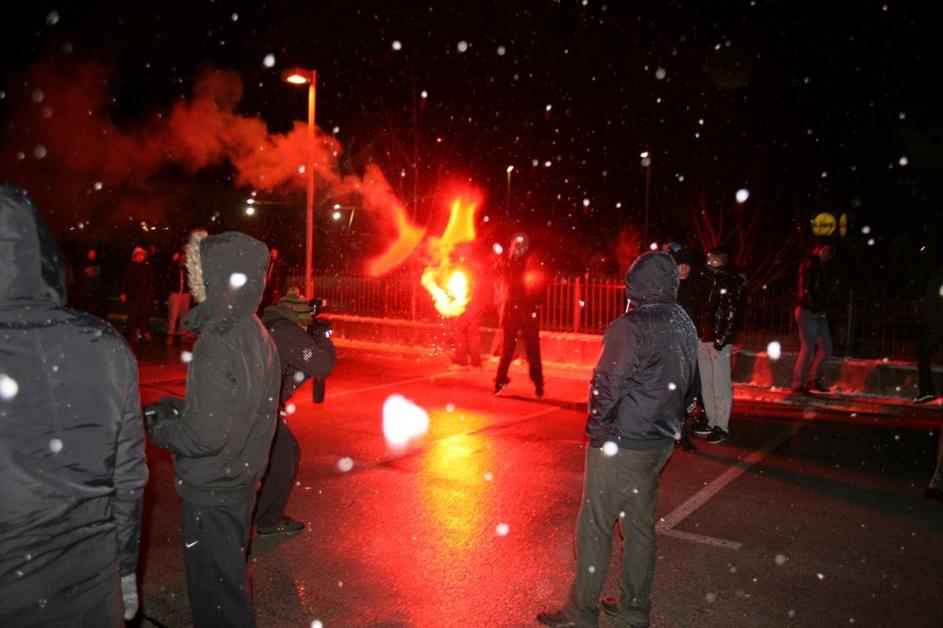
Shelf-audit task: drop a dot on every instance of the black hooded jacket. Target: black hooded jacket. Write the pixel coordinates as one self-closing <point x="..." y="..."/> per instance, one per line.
<point x="301" y="356"/>
<point x="722" y="310"/>
<point x="72" y="464"/>
<point x="636" y="397"/>
<point x="220" y="443"/>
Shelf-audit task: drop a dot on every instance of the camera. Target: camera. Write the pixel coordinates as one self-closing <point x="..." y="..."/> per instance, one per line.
<point x="318" y="329"/>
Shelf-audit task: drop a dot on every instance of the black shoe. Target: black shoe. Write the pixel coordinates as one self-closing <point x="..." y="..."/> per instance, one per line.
<point x="285" y="525"/>
<point x="924" y="397"/>
<point x="556" y="619"/>
<point x="800" y="390"/>
<point x="717" y="436"/>
<point x="499" y="386"/>
<point x="701" y="428"/>
<point x="685" y="444"/>
<point x="818" y="387"/>
<point x="610" y="606"/>
<point x="539" y="391"/>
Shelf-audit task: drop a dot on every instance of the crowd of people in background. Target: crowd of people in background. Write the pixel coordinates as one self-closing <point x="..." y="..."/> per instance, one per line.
<point x="664" y="373"/>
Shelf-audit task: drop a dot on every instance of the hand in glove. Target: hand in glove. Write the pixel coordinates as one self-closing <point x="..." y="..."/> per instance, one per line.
<point x="166" y="408"/>
<point x="129" y="595"/>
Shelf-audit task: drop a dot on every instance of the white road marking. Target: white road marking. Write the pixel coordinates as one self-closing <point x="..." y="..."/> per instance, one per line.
<point x="667" y="524"/>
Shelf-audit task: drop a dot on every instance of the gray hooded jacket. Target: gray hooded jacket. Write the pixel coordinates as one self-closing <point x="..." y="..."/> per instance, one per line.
<point x="72" y="466"/>
<point x="636" y="397"/>
<point x="220" y="443"/>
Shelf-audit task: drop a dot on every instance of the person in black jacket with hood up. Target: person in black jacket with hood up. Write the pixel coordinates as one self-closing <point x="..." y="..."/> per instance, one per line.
<point x="72" y="463"/>
<point x="301" y="356"/>
<point x="221" y="434"/>
<point x="636" y="408"/>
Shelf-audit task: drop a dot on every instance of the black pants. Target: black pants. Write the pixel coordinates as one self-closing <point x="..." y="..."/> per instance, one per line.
<point x="527" y="326"/>
<point x="92" y="603"/>
<point x="932" y="336"/>
<point x="279" y="477"/>
<point x="139" y="315"/>
<point x="215" y="543"/>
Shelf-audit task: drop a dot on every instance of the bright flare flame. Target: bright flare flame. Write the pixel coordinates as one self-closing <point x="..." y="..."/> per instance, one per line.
<point x="451" y="296"/>
<point x="449" y="284"/>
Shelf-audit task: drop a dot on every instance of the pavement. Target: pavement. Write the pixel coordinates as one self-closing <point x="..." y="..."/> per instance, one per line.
<point x="812" y="514"/>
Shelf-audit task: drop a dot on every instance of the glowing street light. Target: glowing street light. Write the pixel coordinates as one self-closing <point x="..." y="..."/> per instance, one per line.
<point x="510" y="169"/>
<point x="302" y="76"/>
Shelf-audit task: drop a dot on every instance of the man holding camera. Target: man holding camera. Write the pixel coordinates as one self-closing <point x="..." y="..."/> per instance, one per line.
<point x="305" y="351"/>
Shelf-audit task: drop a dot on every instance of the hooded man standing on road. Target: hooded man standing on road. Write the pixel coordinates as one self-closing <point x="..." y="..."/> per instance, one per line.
<point x="636" y="408"/>
<point x="72" y="465"/>
<point x="221" y="433"/>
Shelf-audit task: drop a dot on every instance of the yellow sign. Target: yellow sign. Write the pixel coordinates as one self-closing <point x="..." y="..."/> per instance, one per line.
<point x="823" y="224"/>
<point x="843" y="225"/>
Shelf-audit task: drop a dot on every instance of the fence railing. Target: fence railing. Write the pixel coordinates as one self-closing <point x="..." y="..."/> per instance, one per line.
<point x="863" y="324"/>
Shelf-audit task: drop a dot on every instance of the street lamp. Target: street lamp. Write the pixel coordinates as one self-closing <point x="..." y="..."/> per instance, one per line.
<point x="647" y="164"/>
<point x="508" y="206"/>
<point x="302" y="76"/>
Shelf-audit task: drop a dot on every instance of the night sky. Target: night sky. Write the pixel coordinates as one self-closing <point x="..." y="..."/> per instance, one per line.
<point x="808" y="106"/>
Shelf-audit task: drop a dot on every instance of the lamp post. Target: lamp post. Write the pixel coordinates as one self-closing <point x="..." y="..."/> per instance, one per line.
<point x="647" y="164"/>
<point x="508" y="206"/>
<point x="302" y="76"/>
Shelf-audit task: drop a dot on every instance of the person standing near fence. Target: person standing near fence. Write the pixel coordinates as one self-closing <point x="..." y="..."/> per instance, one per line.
<point x="520" y="315"/>
<point x="692" y="290"/>
<point x="811" y="314"/>
<point x="720" y="318"/>
<point x="932" y="334"/>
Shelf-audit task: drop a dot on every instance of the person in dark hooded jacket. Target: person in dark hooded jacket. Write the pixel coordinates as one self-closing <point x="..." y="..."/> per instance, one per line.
<point x="72" y="462"/>
<point x="636" y="408"/>
<point x="301" y="356"/>
<point x="221" y="434"/>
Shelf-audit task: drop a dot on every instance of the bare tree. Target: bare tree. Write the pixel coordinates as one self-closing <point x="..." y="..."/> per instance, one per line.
<point x="764" y="255"/>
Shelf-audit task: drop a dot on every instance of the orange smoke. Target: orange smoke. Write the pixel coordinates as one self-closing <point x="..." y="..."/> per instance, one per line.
<point x="408" y="238"/>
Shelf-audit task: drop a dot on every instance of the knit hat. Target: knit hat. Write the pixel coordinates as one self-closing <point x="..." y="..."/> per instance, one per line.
<point x="295" y="305"/>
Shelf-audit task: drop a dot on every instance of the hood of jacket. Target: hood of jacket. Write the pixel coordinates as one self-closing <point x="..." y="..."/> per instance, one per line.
<point x="30" y="264"/>
<point x="227" y="277"/>
<point x="653" y="278"/>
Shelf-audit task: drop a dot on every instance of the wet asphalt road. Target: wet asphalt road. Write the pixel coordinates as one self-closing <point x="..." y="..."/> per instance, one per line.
<point x="807" y="516"/>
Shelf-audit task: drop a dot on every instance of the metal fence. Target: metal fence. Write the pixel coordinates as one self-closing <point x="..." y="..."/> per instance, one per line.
<point x="863" y="324"/>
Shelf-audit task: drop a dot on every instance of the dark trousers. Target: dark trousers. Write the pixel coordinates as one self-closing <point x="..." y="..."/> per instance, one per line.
<point x="815" y="347"/>
<point x="624" y="483"/>
<point x="215" y="542"/>
<point x="527" y="327"/>
<point x="92" y="603"/>
<point x="279" y="477"/>
<point x="932" y="336"/>
<point x="139" y="315"/>
<point x="467" y="339"/>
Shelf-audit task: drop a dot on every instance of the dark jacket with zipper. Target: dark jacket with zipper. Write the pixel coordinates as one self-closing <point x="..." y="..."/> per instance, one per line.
<point x="72" y="463"/>
<point x="812" y="286"/>
<point x="221" y="441"/>
<point x="720" y="315"/>
<point x="636" y="396"/>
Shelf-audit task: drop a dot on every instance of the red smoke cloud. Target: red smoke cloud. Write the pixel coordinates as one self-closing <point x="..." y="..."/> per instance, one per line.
<point x="62" y="145"/>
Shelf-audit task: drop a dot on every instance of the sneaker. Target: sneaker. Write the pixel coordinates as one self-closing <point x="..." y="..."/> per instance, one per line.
<point x="800" y="390"/>
<point x="610" y="606"/>
<point x="701" y="428"/>
<point x="285" y="525"/>
<point x="924" y="397"/>
<point x="685" y="444"/>
<point x="818" y="387"/>
<point x="539" y="391"/>
<point x="717" y="436"/>
<point x="499" y="386"/>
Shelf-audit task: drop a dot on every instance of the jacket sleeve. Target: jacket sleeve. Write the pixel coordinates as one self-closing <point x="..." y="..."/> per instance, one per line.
<point x="313" y="356"/>
<point x="731" y="298"/>
<point x="616" y="366"/>
<point x="130" y="477"/>
<point x="203" y="429"/>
